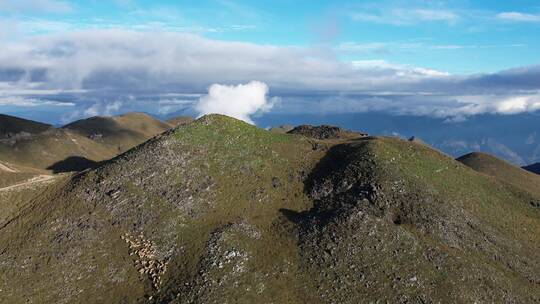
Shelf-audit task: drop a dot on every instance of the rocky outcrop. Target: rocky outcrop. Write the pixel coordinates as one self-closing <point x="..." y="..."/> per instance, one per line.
<point x="325" y="132"/>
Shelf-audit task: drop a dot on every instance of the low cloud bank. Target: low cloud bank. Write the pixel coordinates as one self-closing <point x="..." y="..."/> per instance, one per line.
<point x="240" y="101"/>
<point x="164" y="69"/>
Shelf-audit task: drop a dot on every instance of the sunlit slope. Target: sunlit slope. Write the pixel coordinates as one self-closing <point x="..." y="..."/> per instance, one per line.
<point x="81" y="144"/>
<point x="119" y="132"/>
<point x="12" y="174"/>
<point x="502" y="170"/>
<point x="220" y="211"/>
<point x="397" y="220"/>
<point x="55" y="149"/>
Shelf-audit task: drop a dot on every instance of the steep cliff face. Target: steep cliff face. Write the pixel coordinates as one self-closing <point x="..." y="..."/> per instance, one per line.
<point x="218" y="211"/>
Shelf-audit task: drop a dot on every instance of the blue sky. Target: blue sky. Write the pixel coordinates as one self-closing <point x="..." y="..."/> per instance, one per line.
<point x="449" y="59"/>
<point x="454" y="36"/>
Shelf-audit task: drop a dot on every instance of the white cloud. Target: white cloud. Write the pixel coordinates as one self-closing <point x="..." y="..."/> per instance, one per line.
<point x="395" y="47"/>
<point x="370" y="47"/>
<point x="531" y="140"/>
<point x="399" y="16"/>
<point x="518" y="17"/>
<point x="96" y="109"/>
<point x="48" y="6"/>
<point x="20" y="101"/>
<point x="104" y="66"/>
<point x="240" y="101"/>
<point x="410" y="73"/>
<point x="518" y="104"/>
<point x="102" y="109"/>
<point x="434" y="15"/>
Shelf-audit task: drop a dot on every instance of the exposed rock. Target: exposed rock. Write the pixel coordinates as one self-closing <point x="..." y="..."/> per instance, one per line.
<point x="325" y="132"/>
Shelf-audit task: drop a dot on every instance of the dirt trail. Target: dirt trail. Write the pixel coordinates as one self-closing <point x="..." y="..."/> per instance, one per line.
<point x="7" y="169"/>
<point x="33" y="180"/>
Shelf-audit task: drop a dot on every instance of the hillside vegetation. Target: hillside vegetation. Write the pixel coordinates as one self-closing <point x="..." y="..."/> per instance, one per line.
<point x="119" y="133"/>
<point x="78" y="145"/>
<point x="503" y="171"/>
<point x="219" y="211"/>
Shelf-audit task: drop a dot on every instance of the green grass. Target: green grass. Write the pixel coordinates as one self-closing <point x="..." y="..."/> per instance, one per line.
<point x="221" y="181"/>
<point x="243" y="160"/>
<point x="503" y="171"/>
<point x="498" y="204"/>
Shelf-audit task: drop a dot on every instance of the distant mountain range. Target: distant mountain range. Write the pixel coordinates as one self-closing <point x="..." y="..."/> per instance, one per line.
<point x="515" y="138"/>
<point x="77" y="145"/>
<point x="535" y="168"/>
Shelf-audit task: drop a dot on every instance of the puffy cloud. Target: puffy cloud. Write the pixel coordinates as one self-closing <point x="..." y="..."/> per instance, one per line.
<point x="518" y="104"/>
<point x="96" y="109"/>
<point x="240" y="101"/>
<point x="105" y="109"/>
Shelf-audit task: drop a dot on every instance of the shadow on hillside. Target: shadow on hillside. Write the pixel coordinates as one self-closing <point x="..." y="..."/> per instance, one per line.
<point x="323" y="185"/>
<point x="72" y="164"/>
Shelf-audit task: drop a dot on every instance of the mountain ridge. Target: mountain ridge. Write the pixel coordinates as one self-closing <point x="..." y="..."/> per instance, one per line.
<point x="219" y="210"/>
<point x="11" y="126"/>
<point x="77" y="145"/>
<point x="502" y="170"/>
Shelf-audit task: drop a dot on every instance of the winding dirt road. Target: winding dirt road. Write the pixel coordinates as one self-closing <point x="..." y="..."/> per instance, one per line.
<point x="30" y="182"/>
<point x="7" y="169"/>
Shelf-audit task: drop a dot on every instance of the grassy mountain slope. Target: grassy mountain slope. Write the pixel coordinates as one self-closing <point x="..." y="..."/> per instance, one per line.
<point x="219" y="211"/>
<point x="121" y="132"/>
<point x="502" y="170"/>
<point x="534" y="168"/>
<point x="55" y="149"/>
<point x="11" y="174"/>
<point x="431" y="222"/>
<point x="11" y="178"/>
<point x="12" y="126"/>
<point x="15" y="199"/>
<point x="81" y="144"/>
